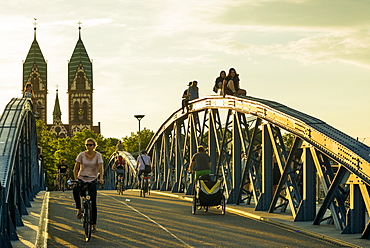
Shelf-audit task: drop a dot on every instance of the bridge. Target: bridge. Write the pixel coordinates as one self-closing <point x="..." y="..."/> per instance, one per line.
<point x="273" y="160"/>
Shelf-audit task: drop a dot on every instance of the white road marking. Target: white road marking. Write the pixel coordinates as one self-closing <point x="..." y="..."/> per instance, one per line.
<point x="137" y="211"/>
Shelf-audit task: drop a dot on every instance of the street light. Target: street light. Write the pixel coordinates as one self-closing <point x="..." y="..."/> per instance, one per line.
<point x="139" y="117"/>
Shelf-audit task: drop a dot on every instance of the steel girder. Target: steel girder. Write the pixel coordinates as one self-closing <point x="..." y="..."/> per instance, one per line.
<point x="322" y="167"/>
<point x="21" y="172"/>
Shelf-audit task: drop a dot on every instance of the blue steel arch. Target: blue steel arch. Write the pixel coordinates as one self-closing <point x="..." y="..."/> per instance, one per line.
<point x="247" y="145"/>
<point x="21" y="172"/>
<point x="130" y="173"/>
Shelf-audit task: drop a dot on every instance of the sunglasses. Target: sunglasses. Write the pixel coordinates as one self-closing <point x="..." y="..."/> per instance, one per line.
<point x="89" y="144"/>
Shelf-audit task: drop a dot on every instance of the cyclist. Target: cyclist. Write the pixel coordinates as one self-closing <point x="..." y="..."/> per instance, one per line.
<point x="119" y="167"/>
<point x="143" y="161"/>
<point x="88" y="165"/>
<point x="63" y="170"/>
<point x="202" y="163"/>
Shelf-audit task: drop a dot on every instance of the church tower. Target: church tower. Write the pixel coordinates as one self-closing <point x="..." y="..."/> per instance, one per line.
<point x="58" y="127"/>
<point x="35" y="72"/>
<point x="80" y="89"/>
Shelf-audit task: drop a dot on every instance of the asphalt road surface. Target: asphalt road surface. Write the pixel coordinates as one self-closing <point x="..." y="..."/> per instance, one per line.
<point x="161" y="221"/>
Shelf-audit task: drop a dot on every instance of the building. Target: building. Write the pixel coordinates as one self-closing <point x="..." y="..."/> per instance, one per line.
<point x="80" y="89"/>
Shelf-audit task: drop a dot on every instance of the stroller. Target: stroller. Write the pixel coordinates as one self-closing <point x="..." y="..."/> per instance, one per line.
<point x="208" y="193"/>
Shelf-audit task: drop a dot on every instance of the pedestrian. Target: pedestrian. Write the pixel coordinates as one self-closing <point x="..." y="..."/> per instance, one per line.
<point x="218" y="83"/>
<point x="88" y="167"/>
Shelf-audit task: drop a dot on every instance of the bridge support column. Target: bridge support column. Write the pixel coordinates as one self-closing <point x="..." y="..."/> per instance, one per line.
<point x="236" y="161"/>
<point x="307" y="207"/>
<point x="356" y="212"/>
<point x="212" y="148"/>
<point x="265" y="198"/>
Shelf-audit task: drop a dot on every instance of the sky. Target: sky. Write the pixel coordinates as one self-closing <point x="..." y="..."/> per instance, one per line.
<point x="311" y="55"/>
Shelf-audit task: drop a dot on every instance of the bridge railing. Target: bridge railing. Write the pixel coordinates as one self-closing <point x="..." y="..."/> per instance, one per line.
<point x="21" y="171"/>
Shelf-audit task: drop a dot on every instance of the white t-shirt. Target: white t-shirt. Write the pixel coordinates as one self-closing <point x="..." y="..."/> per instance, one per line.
<point x="146" y="159"/>
<point x="89" y="167"/>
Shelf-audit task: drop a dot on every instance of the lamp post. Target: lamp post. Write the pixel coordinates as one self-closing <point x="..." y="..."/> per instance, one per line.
<point x="139" y="117"/>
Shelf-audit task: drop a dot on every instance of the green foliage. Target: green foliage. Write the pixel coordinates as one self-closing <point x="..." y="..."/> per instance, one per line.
<point x="68" y="148"/>
<point x="288" y="139"/>
<point x="131" y="143"/>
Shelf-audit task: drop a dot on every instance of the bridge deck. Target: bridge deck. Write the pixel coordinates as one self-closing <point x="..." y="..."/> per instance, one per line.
<point x="126" y="220"/>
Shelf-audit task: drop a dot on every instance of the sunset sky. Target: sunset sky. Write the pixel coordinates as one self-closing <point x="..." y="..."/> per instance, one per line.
<point x="311" y="55"/>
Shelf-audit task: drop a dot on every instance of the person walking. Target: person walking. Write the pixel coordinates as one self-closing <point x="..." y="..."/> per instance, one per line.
<point x="88" y="165"/>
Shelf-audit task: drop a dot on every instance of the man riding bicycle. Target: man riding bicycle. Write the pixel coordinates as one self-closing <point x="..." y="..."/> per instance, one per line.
<point x="119" y="167"/>
<point x="202" y="163"/>
<point x="143" y="161"/>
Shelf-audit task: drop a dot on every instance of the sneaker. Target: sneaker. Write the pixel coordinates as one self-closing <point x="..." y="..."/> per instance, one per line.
<point x="40" y="107"/>
<point x="36" y="113"/>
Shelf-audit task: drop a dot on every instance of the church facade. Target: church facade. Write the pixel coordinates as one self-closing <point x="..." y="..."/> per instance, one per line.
<point x="80" y="89"/>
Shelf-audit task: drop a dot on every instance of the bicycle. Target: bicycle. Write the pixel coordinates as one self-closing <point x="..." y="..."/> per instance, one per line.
<point x="120" y="184"/>
<point x="62" y="181"/>
<point x="145" y="186"/>
<point x="86" y="207"/>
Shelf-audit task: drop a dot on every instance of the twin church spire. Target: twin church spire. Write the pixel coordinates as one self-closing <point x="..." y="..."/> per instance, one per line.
<point x="80" y="88"/>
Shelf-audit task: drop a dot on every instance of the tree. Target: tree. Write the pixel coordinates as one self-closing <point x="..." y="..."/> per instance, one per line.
<point x="68" y="148"/>
<point x="131" y="143"/>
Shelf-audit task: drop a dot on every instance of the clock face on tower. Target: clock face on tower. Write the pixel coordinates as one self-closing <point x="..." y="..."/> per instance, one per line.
<point x="80" y="111"/>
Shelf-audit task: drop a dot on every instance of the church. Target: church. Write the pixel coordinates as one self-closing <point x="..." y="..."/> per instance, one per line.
<point x="80" y="89"/>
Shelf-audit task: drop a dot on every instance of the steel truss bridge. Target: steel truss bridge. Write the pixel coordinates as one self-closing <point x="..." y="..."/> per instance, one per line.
<point x="21" y="172"/>
<point x="321" y="175"/>
<point x="269" y="155"/>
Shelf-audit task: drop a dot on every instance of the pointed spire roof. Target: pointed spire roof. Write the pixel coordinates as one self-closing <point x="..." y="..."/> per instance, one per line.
<point x="80" y="56"/>
<point x="57" y="114"/>
<point x="34" y="56"/>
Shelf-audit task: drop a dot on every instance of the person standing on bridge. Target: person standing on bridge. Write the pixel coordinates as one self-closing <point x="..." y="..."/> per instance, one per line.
<point x="88" y="165"/>
<point x="193" y="91"/>
<point x="200" y="163"/>
<point x="185" y="99"/>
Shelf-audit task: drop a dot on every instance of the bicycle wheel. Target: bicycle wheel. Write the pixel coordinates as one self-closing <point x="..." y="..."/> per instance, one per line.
<point x="194" y="205"/>
<point x="62" y="183"/>
<point x="144" y="189"/>
<point x="223" y="205"/>
<point x="87" y="220"/>
<point x="121" y="187"/>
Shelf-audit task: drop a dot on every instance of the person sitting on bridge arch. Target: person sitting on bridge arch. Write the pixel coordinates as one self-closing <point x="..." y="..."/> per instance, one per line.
<point x="219" y="81"/>
<point x="119" y="146"/>
<point x="231" y="85"/>
<point x="28" y="93"/>
<point x="202" y="163"/>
